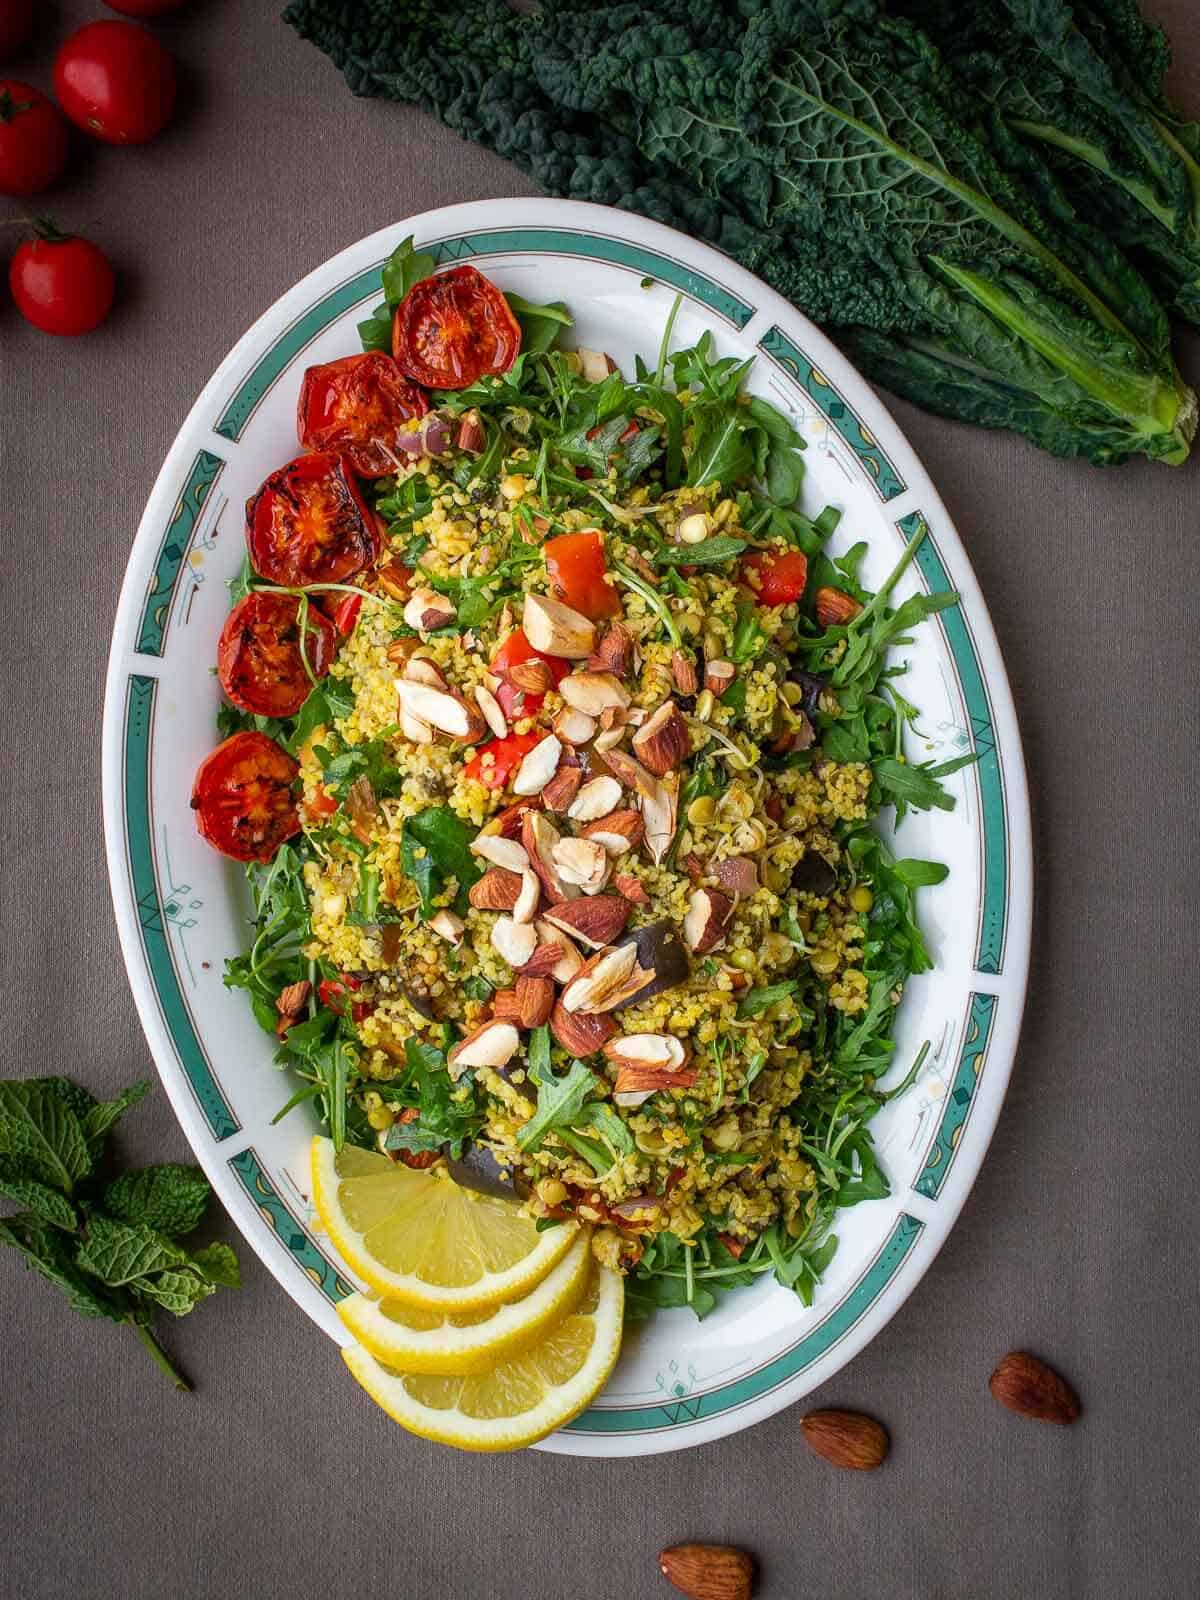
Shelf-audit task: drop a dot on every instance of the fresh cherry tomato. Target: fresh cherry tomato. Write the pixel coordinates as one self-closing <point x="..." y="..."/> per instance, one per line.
<point x="515" y="649"/>
<point x="114" y="80"/>
<point x="259" y="659"/>
<point x="503" y="757"/>
<point x="781" y="577"/>
<point x="454" y="328"/>
<point x="243" y="797"/>
<point x="16" y="25"/>
<point x="333" y="994"/>
<point x="578" y="574"/>
<point x="61" y="283"/>
<point x="310" y="524"/>
<point x="33" y="139"/>
<point x="360" y="406"/>
<point x="345" y="613"/>
<point x="143" y="8"/>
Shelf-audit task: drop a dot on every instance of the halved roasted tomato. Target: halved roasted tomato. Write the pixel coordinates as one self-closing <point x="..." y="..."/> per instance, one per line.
<point x="578" y="574"/>
<point x="243" y="798"/>
<point x="259" y="659"/>
<point x="309" y="524"/>
<point x="781" y="578"/>
<point x="453" y="328"/>
<point x="362" y="406"/>
<point x="515" y="649"/>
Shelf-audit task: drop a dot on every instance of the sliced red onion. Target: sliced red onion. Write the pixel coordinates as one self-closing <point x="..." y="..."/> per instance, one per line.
<point x="430" y="437"/>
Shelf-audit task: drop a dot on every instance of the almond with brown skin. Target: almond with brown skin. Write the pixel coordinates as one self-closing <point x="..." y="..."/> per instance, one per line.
<point x="683" y="670"/>
<point x="580" y="1035"/>
<point x="614" y="653"/>
<point x="834" y="607"/>
<point x="663" y="742"/>
<point x="1032" y="1389"/>
<point x="708" y="1571"/>
<point x="595" y="920"/>
<point x="618" y="832"/>
<point x="562" y="788"/>
<point x="535" y="1001"/>
<point x="292" y="1000"/>
<point x="846" y="1438"/>
<point x="718" y="675"/>
<point x="534" y="677"/>
<point x="704" y="925"/>
<point x="497" y="890"/>
<point x="543" y="961"/>
<point x="632" y="888"/>
<point x="506" y="1007"/>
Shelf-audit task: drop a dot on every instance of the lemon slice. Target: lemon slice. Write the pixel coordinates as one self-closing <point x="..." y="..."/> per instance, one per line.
<point x="419" y="1238"/>
<point x="414" y="1340"/>
<point x="521" y="1399"/>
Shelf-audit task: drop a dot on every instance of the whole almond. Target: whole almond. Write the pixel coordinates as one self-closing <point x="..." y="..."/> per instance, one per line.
<point x="580" y="1035"/>
<point x="708" y="1571"/>
<point x="683" y="670"/>
<point x="562" y="788"/>
<point x="534" y="676"/>
<point x="506" y="1007"/>
<point x="835" y="607"/>
<point x="846" y="1438"/>
<point x="596" y="920"/>
<point x="1032" y="1389"/>
<point x="535" y="1001"/>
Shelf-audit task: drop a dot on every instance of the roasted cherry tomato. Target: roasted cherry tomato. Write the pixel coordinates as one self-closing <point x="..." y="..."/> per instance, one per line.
<point x="310" y="524"/>
<point x="259" y="659"/>
<point x="578" y="574"/>
<point x="115" y="81"/>
<point x="781" y="577"/>
<point x="62" y="284"/>
<point x="33" y="139"/>
<point x="243" y="797"/>
<point x="345" y="612"/>
<point x="358" y="406"/>
<point x="16" y="25"/>
<point x="515" y="649"/>
<point x="494" y="763"/>
<point x="420" y="1159"/>
<point x="454" y="328"/>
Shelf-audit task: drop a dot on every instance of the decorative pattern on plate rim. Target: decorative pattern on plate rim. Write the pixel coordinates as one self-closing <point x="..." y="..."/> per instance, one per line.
<point x="505" y="241"/>
<point x="988" y="769"/>
<point x="980" y="1017"/>
<point x="156" y="947"/>
<point x="833" y="1327"/>
<point x="845" y="422"/>
<point x="253" y="1178"/>
<point x="160" y="591"/>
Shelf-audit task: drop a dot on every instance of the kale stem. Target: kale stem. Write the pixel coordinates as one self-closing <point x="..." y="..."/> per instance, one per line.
<point x="160" y="1358"/>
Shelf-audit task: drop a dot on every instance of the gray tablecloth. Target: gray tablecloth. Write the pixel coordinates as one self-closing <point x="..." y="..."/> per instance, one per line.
<point x="277" y="1477"/>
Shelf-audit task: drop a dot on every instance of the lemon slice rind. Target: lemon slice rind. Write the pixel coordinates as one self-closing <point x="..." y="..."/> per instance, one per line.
<point x="559" y="1403"/>
<point x="461" y="1351"/>
<point x="489" y="1289"/>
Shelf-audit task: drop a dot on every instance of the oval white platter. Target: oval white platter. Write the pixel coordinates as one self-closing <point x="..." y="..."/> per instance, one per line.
<point x="182" y="909"/>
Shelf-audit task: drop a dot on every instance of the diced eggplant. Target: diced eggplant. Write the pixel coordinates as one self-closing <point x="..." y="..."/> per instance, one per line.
<point x="479" y="1169"/>
<point x="813" y="875"/>
<point x="660" y="950"/>
<point x="812" y="687"/>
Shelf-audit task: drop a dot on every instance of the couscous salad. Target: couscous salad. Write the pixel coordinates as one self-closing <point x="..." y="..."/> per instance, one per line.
<point x="554" y="747"/>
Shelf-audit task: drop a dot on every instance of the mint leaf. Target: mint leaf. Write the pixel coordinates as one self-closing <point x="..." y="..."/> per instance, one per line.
<point x="435" y="846"/>
<point x="45" y="1203"/>
<point x="218" y="1264"/>
<point x="49" y="1252"/>
<point x="119" y="1252"/>
<point x="38" y="1128"/>
<point x="560" y="1101"/>
<point x="103" y="1117"/>
<point x="170" y="1198"/>
<point x="176" y="1292"/>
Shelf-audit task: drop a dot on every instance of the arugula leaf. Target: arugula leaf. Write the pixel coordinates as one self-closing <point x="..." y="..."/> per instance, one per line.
<point x="171" y="1198"/>
<point x="435" y="846"/>
<point x="916" y="874"/>
<point x="540" y="325"/>
<point x="445" y="1123"/>
<point x="708" y="553"/>
<point x="755" y="1001"/>
<point x="917" y="786"/>
<point x="600" y="1115"/>
<point x="560" y="1102"/>
<point x="39" y="1129"/>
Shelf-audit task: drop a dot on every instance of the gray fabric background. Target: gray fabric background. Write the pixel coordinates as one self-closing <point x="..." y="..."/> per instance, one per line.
<point x="277" y="1477"/>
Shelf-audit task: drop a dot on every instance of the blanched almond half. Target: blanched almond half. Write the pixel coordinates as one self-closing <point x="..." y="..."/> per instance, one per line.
<point x="644" y="1049"/>
<point x="447" y="926"/>
<point x="515" y="941"/>
<point x="500" y="852"/>
<point x="569" y="960"/>
<point x="538" y="767"/>
<point x="594" y="692"/>
<point x="582" y="861"/>
<point x="444" y="711"/>
<point x="419" y="669"/>
<point x="492" y="1045"/>
<point x="597" y="798"/>
<point x="557" y="630"/>
<point x="493" y="715"/>
<point x="527" y="900"/>
<point x="660" y="814"/>
<point x="704" y="924"/>
<point x="414" y="728"/>
<point x="572" y="727"/>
